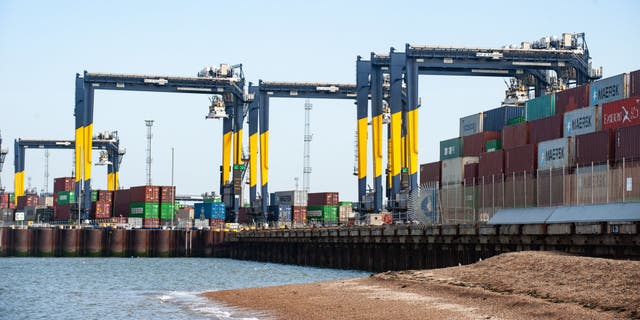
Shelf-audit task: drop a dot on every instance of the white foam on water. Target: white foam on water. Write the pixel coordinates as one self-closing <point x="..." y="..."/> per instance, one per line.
<point x="194" y="302"/>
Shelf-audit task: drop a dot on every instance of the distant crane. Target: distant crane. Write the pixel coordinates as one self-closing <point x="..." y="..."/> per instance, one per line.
<point x="46" y="172"/>
<point x="149" y="124"/>
<point x="306" y="176"/>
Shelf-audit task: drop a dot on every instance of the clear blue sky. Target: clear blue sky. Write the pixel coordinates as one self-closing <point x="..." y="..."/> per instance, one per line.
<point x="43" y="44"/>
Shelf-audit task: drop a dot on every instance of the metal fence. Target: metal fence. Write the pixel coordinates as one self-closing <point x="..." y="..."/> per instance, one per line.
<point x="477" y="200"/>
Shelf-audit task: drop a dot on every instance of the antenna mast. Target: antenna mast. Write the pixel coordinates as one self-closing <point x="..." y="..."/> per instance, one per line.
<point x="306" y="177"/>
<point x="149" y="124"/>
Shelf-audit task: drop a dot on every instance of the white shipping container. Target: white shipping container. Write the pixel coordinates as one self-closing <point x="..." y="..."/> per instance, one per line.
<point x="296" y="198"/>
<point x="557" y="153"/>
<point x="375" y="219"/>
<point x="185" y="214"/>
<point x="135" y="222"/>
<point x="201" y="223"/>
<point x="471" y="124"/>
<point x="582" y="121"/>
<point x="453" y="169"/>
<point x="344" y="213"/>
<point x="45" y="201"/>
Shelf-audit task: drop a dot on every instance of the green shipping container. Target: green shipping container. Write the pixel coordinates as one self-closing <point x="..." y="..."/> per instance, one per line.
<point x="516" y="120"/>
<point x="168" y="210"/>
<point x="345" y="203"/>
<point x="493" y="145"/>
<point x="329" y="213"/>
<point x="451" y="148"/>
<point x="541" y="107"/>
<point x="144" y="210"/>
<point x="212" y="200"/>
<point x="12" y="197"/>
<point x="66" y="197"/>
<point x="94" y="195"/>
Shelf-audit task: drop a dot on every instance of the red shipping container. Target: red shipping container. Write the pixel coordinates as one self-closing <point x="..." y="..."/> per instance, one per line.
<point x="216" y="223"/>
<point x="473" y="144"/>
<point x="299" y="214"/>
<point x="121" y="201"/>
<point x="627" y="143"/>
<point x="546" y="129"/>
<point x="64" y="184"/>
<point x="596" y="147"/>
<point x="430" y="172"/>
<point x="621" y="113"/>
<point x="144" y="194"/>
<point x="572" y="99"/>
<point x="491" y="164"/>
<point x="243" y="215"/>
<point x="521" y="159"/>
<point x="62" y="212"/>
<point x="167" y="193"/>
<point x="471" y="173"/>
<point x="29" y="200"/>
<point x="151" y="223"/>
<point x="323" y="199"/>
<point x="100" y="210"/>
<point x="515" y="135"/>
<point x="634" y="83"/>
<point x="105" y="195"/>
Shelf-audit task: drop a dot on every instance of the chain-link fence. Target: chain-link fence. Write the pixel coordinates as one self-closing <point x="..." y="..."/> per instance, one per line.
<point x="477" y="200"/>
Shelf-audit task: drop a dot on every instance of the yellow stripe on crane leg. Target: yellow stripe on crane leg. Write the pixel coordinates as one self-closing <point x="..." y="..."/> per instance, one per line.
<point x="412" y="117"/>
<point x="264" y="157"/>
<point x="362" y="147"/>
<point x="79" y="147"/>
<point x="377" y="145"/>
<point x="226" y="156"/>
<point x="18" y="186"/>
<point x="88" y="141"/>
<point x="396" y="140"/>
<point x="253" y="161"/>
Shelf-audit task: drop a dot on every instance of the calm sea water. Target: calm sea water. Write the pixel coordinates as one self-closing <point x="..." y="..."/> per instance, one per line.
<point x="133" y="288"/>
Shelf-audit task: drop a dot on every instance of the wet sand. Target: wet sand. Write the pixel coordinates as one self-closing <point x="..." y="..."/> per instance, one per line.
<point x="525" y="285"/>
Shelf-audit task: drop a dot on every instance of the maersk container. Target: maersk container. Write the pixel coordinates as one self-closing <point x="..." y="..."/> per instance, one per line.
<point x="453" y="169"/>
<point x="451" y="148"/>
<point x="626" y="143"/>
<point x="496" y="119"/>
<point x="572" y="99"/>
<point x="541" y="107"/>
<point x="471" y="124"/>
<point x="608" y="89"/>
<point x="621" y="113"/>
<point x="546" y="129"/>
<point x="594" y="148"/>
<point x="557" y="153"/>
<point x="430" y="172"/>
<point x="582" y="121"/>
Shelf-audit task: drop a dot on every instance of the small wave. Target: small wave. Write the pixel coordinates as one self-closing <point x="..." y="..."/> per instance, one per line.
<point x="195" y="303"/>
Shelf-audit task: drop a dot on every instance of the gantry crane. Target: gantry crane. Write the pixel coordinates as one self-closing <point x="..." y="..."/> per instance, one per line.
<point x="226" y="84"/>
<point x="107" y="141"/>
<point x="567" y="56"/>
<point x="3" y="155"/>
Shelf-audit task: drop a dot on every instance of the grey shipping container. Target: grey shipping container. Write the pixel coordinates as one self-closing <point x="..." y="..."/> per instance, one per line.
<point x="471" y="124"/>
<point x="608" y="89"/>
<point x="453" y="169"/>
<point x="582" y="121"/>
<point x="496" y="119"/>
<point x="291" y="198"/>
<point x="557" y="153"/>
<point x="451" y="148"/>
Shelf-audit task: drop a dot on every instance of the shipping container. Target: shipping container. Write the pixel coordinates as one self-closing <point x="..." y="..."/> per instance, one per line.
<point x="519" y="190"/>
<point x="496" y="119"/>
<point x="491" y="164"/>
<point x="167" y="210"/>
<point x="326" y="214"/>
<point x="345" y="213"/>
<point x="167" y="193"/>
<point x="471" y="173"/>
<point x="520" y="159"/>
<point x="430" y="172"/>
<point x="100" y="210"/>
<point x="474" y="144"/>
<point x="608" y="89"/>
<point x="6" y="215"/>
<point x="185" y="213"/>
<point x="135" y="222"/>
<point x="572" y="99"/>
<point x="515" y="135"/>
<point x="144" y="194"/>
<point x="627" y="143"/>
<point x="45" y="201"/>
<point x="63" y="184"/>
<point x="451" y="148"/>
<point x="144" y="210"/>
<point x="546" y="129"/>
<point x="541" y="107"/>
<point x="299" y="214"/>
<point x="453" y="169"/>
<point x="27" y="200"/>
<point x="583" y="120"/>
<point x="516" y="120"/>
<point x="621" y="113"/>
<point x="634" y="83"/>
<point x="291" y="198"/>
<point x="471" y="124"/>
<point x="596" y="147"/>
<point x="323" y="198"/>
<point x="62" y="212"/>
<point x="592" y="184"/>
<point x="209" y="210"/>
<point x="557" y="153"/>
<point x="493" y="145"/>
<point x="66" y="197"/>
<point x="553" y="187"/>
<point x="121" y="202"/>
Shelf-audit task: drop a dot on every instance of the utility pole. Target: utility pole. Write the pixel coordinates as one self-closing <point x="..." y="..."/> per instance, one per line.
<point x="306" y="177"/>
<point x="149" y="124"/>
<point x="46" y="171"/>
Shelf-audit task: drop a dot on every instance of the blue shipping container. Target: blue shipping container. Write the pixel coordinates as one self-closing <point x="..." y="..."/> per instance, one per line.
<point x="278" y="213"/>
<point x="210" y="210"/>
<point x="496" y="119"/>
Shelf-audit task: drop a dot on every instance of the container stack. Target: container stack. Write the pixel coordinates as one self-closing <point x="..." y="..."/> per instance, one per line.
<point x="7" y="206"/>
<point x="346" y="215"/>
<point x="297" y="200"/>
<point x="101" y="204"/>
<point x="144" y="206"/>
<point x="214" y="213"/>
<point x="168" y="206"/>
<point x="323" y="207"/>
<point x="64" y="198"/>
